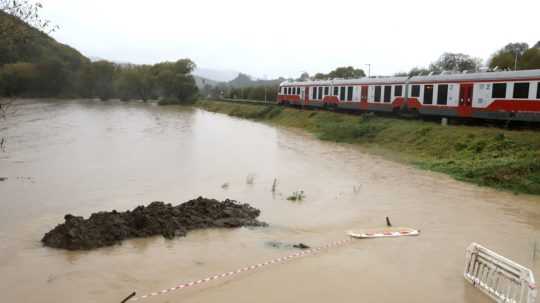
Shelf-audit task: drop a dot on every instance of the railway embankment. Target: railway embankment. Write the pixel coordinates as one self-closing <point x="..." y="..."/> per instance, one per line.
<point x="487" y="156"/>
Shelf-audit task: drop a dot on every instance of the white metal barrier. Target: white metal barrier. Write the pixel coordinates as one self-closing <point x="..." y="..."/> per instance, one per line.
<point x="500" y="278"/>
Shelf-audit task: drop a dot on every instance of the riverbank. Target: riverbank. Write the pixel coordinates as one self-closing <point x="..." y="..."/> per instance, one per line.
<point x="498" y="158"/>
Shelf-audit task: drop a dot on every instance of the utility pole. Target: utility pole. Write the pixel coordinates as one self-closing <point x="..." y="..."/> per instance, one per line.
<point x="515" y="62"/>
<point x="369" y="69"/>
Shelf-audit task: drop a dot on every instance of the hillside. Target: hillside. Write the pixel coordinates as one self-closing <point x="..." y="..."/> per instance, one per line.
<point x="32" y="64"/>
<point x="24" y="43"/>
<point x="243" y="80"/>
<point x="202" y="82"/>
<point x="215" y="74"/>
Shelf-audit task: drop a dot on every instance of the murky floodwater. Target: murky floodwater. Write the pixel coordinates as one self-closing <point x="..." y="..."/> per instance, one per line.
<point x="83" y="157"/>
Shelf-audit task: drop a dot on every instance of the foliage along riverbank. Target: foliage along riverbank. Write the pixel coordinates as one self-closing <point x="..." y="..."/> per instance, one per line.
<point x="494" y="157"/>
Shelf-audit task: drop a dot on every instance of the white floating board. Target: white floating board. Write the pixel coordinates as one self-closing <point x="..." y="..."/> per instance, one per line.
<point x="384" y="233"/>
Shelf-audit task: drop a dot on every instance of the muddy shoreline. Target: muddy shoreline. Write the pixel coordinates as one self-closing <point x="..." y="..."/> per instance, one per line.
<point x="158" y="218"/>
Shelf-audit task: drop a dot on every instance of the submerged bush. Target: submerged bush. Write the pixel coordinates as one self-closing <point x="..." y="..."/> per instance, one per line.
<point x="297" y="196"/>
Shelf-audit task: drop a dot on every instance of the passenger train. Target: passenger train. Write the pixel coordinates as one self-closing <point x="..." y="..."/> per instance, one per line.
<point x="505" y="95"/>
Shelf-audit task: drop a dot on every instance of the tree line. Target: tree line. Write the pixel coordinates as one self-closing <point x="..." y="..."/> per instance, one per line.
<point x="513" y="56"/>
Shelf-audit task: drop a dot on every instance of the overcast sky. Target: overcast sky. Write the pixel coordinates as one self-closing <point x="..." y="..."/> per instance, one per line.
<point x="285" y="37"/>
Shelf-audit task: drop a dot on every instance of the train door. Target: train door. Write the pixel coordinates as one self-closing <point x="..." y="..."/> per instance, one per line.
<point x="364" y="94"/>
<point x="465" y="99"/>
<point x="364" y="97"/>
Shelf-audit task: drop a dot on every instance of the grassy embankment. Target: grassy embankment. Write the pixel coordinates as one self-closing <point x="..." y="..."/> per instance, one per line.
<point x="494" y="157"/>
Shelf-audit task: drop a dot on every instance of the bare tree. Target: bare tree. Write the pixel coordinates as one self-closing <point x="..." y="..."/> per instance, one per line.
<point x="28" y="12"/>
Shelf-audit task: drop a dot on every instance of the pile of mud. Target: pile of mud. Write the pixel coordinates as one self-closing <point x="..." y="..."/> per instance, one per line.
<point x="158" y="218"/>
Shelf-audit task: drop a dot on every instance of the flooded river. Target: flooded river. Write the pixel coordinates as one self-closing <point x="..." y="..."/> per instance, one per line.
<point x="81" y="157"/>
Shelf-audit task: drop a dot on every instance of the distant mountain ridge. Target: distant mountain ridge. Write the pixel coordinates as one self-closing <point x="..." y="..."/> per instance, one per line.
<point x="215" y="74"/>
<point x="244" y="80"/>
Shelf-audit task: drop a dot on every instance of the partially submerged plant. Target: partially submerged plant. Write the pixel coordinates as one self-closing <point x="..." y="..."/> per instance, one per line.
<point x="274" y="185"/>
<point x="250" y="179"/>
<point x="297" y="196"/>
<point x="225" y="185"/>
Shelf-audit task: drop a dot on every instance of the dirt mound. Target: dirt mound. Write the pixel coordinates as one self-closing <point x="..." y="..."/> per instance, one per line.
<point x="158" y="218"/>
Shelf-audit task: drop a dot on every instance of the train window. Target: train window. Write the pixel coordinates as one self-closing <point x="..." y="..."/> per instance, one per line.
<point x="442" y="94"/>
<point x="398" y="90"/>
<point x="349" y="93"/>
<point x="320" y="92"/>
<point x="387" y="93"/>
<point x="342" y="93"/>
<point x="428" y="94"/>
<point x="327" y="91"/>
<point x="521" y="90"/>
<point x="314" y="93"/>
<point x="336" y="90"/>
<point x="538" y="91"/>
<point x="377" y="94"/>
<point x="499" y="90"/>
<point x="415" y="91"/>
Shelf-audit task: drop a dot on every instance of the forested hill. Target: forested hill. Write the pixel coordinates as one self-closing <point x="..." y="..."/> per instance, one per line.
<point x="27" y="44"/>
<point x="32" y="64"/>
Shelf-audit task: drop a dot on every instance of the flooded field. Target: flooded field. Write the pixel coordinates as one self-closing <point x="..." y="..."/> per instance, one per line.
<point x="82" y="157"/>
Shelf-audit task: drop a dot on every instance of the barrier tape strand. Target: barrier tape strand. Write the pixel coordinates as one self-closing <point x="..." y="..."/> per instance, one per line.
<point x="244" y="269"/>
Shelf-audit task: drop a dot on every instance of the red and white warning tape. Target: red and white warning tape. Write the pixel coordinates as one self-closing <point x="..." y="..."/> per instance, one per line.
<point x="245" y="269"/>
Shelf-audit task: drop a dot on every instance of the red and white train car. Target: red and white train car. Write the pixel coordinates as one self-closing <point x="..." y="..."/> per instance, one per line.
<point x="509" y="95"/>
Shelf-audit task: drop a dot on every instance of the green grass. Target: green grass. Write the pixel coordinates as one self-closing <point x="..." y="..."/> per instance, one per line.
<point x="503" y="159"/>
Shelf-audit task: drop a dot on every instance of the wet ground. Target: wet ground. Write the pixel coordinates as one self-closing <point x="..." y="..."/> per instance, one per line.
<point x="81" y="157"/>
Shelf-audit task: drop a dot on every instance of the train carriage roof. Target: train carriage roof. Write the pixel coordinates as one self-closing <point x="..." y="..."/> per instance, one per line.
<point x="485" y="76"/>
<point x="365" y="80"/>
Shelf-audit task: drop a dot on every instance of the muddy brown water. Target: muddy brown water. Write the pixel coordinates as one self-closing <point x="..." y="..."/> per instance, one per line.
<point x="82" y="156"/>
